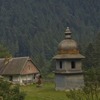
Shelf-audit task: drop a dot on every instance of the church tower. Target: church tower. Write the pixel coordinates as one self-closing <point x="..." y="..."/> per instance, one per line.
<point x="68" y="73"/>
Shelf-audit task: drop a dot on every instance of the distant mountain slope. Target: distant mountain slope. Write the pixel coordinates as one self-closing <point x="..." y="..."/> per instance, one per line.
<point x="35" y="27"/>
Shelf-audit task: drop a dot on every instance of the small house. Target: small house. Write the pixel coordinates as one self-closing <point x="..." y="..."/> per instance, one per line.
<point x="19" y="70"/>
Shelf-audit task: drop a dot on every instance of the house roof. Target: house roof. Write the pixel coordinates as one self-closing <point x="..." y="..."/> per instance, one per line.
<point x="13" y="65"/>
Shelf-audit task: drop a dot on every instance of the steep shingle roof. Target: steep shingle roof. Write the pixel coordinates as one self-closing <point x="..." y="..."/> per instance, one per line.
<point x="13" y="66"/>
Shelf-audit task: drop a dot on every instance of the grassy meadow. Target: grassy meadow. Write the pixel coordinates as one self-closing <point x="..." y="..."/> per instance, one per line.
<point x="46" y="92"/>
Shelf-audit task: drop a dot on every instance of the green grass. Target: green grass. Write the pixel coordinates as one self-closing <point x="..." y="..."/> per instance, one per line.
<point x="46" y="92"/>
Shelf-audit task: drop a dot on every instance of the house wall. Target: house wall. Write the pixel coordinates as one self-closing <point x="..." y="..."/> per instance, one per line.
<point x="60" y="82"/>
<point x="78" y="65"/>
<point x="21" y="79"/>
<point x="29" y="68"/>
<point x="66" y="82"/>
<point x="15" y="78"/>
<point x="58" y="65"/>
<point x="27" y="78"/>
<point x="66" y="65"/>
<point x="70" y="78"/>
<point x="74" y="81"/>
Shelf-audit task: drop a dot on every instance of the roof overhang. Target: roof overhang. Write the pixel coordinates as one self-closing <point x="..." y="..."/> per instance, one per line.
<point x="69" y="56"/>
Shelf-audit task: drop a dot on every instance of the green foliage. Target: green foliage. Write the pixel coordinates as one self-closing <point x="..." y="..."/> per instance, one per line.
<point x="8" y="91"/>
<point x="90" y="57"/>
<point x="34" y="27"/>
<point x="97" y="49"/>
<point x="87" y="93"/>
<point x="92" y="61"/>
<point x="4" y="52"/>
<point x="75" y="95"/>
<point x="91" y="89"/>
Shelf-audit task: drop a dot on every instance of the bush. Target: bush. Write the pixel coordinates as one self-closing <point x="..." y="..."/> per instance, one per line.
<point x="8" y="91"/>
<point x="91" y="90"/>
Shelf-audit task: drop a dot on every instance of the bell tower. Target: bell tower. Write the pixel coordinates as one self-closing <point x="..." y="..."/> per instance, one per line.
<point x="68" y="73"/>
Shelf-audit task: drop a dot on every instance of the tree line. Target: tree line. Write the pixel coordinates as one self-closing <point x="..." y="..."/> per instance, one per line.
<point x="35" y="27"/>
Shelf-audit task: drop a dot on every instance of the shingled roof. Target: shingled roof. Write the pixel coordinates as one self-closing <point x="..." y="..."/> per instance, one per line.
<point x="14" y="65"/>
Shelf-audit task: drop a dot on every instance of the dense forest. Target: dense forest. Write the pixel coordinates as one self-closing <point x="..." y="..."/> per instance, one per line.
<point x="35" y="27"/>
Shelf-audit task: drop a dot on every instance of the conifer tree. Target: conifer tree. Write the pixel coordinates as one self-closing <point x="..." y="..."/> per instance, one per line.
<point x="90" y="60"/>
<point x="4" y="52"/>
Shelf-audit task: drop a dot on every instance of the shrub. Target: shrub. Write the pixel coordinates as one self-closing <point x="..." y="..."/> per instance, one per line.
<point x="8" y="91"/>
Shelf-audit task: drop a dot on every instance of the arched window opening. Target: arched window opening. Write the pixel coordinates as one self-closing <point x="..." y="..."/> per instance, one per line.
<point x="60" y="64"/>
<point x="72" y="64"/>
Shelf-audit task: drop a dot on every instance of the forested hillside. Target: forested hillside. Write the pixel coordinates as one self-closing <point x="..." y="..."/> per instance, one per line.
<point x="35" y="27"/>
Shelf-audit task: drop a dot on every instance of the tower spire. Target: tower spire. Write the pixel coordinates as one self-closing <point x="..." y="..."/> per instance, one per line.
<point x="68" y="33"/>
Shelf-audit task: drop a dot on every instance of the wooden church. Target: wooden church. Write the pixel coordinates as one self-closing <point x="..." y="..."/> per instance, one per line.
<point x="68" y="73"/>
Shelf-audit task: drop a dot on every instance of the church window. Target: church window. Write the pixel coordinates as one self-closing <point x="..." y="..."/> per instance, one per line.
<point x="72" y="64"/>
<point x="60" y="64"/>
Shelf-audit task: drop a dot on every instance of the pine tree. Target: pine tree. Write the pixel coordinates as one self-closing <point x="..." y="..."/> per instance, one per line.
<point x="4" y="52"/>
<point x="97" y="48"/>
<point x="90" y="60"/>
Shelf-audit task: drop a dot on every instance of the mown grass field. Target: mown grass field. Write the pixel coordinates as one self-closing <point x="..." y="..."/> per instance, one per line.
<point x="46" y="92"/>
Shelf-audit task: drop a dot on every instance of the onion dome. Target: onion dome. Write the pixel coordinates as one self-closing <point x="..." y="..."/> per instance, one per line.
<point x="68" y="45"/>
<point x="68" y="48"/>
